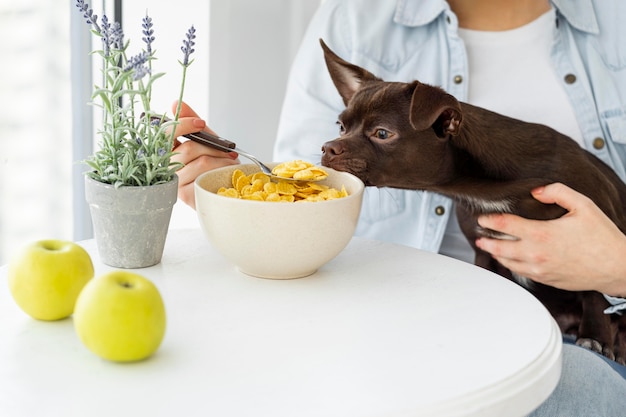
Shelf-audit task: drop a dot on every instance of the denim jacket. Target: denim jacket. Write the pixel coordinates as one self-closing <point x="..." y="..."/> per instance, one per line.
<point x="418" y="39"/>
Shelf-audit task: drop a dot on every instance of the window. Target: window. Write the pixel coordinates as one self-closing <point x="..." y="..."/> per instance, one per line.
<point x="35" y="124"/>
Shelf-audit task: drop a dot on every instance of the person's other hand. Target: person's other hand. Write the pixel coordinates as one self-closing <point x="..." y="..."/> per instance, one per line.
<point x="197" y="158"/>
<point x="582" y="250"/>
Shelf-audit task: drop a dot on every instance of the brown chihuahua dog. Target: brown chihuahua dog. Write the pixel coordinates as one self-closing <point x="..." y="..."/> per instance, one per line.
<point x="415" y="136"/>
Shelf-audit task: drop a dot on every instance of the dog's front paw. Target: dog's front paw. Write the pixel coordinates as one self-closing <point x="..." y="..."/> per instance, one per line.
<point x="596" y="346"/>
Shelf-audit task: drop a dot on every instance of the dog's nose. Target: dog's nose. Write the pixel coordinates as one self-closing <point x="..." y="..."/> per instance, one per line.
<point x="333" y="147"/>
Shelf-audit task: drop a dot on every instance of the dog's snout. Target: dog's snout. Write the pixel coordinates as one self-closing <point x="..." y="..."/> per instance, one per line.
<point x="334" y="147"/>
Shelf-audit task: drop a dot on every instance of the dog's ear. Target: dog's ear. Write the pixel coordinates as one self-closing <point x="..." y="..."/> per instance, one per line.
<point x="433" y="107"/>
<point x="347" y="77"/>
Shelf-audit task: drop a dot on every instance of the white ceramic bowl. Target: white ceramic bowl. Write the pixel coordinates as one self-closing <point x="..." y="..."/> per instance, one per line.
<point x="277" y="240"/>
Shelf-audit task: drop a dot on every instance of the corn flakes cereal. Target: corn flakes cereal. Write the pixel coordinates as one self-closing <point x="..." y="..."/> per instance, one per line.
<point x="228" y="192"/>
<point x="236" y="175"/>
<point x="299" y="170"/>
<point x="260" y="176"/>
<point x="273" y="197"/>
<point x="285" y="188"/>
<point x="258" y="186"/>
<point x="242" y="181"/>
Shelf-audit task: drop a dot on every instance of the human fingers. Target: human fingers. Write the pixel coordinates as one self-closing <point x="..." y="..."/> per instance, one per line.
<point x="523" y="255"/>
<point x="188" y="122"/>
<point x="189" y="173"/>
<point x="561" y="195"/>
<point x="185" y="110"/>
<point x="529" y="257"/>
<point x="187" y="125"/>
<point x="505" y="223"/>
<point x="189" y="151"/>
<point x="198" y="159"/>
<point x="581" y="250"/>
<point x="555" y="193"/>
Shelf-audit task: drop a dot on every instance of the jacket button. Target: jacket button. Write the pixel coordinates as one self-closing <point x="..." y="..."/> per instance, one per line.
<point x="598" y="143"/>
<point x="458" y="79"/>
<point x="570" y="78"/>
<point x="440" y="210"/>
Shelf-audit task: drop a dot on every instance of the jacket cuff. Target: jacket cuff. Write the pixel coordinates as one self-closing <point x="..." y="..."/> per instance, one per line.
<point x="618" y="304"/>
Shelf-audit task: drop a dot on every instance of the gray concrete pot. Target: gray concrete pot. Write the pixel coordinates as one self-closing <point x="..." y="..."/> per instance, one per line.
<point x="130" y="223"/>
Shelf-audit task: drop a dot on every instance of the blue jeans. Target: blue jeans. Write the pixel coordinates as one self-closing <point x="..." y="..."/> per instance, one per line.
<point x="590" y="385"/>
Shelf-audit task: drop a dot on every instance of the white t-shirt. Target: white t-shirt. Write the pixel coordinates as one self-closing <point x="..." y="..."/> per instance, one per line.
<point x="513" y="63"/>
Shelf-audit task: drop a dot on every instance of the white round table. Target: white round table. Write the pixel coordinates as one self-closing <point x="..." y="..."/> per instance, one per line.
<point x="381" y="330"/>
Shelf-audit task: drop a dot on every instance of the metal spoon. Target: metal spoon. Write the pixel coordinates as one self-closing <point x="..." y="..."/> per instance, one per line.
<point x="225" y="145"/>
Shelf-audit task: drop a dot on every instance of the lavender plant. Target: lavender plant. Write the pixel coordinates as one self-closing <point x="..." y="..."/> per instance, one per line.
<point x="135" y="147"/>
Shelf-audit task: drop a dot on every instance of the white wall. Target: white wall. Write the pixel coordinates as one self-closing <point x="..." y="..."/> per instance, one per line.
<point x="171" y="22"/>
<point x="252" y="46"/>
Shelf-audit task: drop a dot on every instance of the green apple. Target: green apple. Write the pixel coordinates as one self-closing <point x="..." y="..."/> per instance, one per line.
<point x="46" y="276"/>
<point x="120" y="316"/>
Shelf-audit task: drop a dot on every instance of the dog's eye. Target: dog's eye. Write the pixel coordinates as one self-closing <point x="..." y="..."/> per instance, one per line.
<point x="382" y="134"/>
<point x="342" y="129"/>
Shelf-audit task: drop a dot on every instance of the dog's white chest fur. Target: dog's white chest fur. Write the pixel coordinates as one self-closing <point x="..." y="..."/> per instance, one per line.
<point x="486" y="206"/>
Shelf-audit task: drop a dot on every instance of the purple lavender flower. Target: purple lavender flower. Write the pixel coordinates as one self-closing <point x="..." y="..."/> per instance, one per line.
<point x="90" y="18"/>
<point x="116" y="36"/>
<point x="137" y="63"/>
<point x="143" y="153"/>
<point x="112" y="34"/>
<point x="106" y="35"/>
<point x="148" y="32"/>
<point x="188" y="44"/>
<point x="137" y="60"/>
<point x="140" y="72"/>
